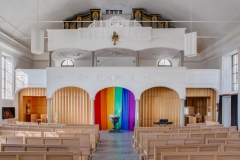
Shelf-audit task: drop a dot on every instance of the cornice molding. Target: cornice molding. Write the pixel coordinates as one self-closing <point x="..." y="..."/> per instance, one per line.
<point x="221" y="47"/>
<point x="14" y="48"/>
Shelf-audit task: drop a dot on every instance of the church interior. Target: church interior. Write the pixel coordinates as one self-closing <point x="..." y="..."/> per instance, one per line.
<point x="119" y="79"/>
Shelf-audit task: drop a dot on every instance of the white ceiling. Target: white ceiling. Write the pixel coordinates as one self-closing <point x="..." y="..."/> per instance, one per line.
<point x="14" y="15"/>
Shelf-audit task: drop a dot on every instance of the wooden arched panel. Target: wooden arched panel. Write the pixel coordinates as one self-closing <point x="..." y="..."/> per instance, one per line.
<point x="29" y="93"/>
<point x="159" y="103"/>
<point x="72" y="105"/>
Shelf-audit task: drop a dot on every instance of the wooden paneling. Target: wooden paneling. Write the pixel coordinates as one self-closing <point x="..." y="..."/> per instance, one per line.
<point x="159" y="103"/>
<point x="208" y="98"/>
<point x="23" y="101"/>
<point x="72" y="105"/>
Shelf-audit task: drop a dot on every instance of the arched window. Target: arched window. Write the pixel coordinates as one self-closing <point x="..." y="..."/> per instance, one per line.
<point x="163" y="62"/>
<point x="67" y="63"/>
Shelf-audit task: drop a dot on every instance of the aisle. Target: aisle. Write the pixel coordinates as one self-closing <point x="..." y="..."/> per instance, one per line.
<point x="115" y="146"/>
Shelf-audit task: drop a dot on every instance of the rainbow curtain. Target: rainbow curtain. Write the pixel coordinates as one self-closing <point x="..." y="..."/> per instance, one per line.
<point x="115" y="100"/>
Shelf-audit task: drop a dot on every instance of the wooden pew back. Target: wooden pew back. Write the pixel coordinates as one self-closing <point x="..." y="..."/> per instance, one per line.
<point x="158" y="150"/>
<point x="204" y="136"/>
<point x="200" y="156"/>
<point x="36" y="155"/>
<point x="151" y="142"/>
<point x="223" y="141"/>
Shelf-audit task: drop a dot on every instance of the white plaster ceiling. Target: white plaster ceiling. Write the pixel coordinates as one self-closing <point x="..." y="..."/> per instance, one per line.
<point x="14" y="15"/>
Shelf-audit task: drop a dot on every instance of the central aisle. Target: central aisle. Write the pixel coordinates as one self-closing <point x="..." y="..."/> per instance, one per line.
<point x="115" y="146"/>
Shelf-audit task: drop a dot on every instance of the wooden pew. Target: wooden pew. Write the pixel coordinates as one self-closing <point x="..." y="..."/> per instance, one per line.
<point x="21" y="133"/>
<point x="36" y="155"/>
<point x="150" y="130"/>
<point x="230" y="148"/>
<point x="145" y="136"/>
<point x="11" y="140"/>
<point x="34" y="147"/>
<point x="73" y="143"/>
<point x="92" y="132"/>
<point x="200" y="156"/>
<point x="223" y="141"/>
<point x="234" y="134"/>
<point x="151" y="142"/>
<point x="204" y="136"/>
<point x="86" y="126"/>
<point x="146" y="130"/>
<point x="83" y="140"/>
<point x="158" y="150"/>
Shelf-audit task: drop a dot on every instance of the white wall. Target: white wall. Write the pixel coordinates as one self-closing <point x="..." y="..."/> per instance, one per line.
<point x="226" y="111"/>
<point x="41" y="64"/>
<point x="116" y="61"/>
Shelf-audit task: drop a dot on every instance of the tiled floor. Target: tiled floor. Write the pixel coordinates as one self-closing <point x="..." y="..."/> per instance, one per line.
<point x="115" y="146"/>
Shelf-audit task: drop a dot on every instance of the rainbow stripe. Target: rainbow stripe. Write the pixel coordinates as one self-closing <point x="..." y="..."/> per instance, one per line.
<point x="115" y="100"/>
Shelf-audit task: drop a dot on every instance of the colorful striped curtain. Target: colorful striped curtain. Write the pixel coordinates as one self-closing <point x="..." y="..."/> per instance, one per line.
<point x="115" y="100"/>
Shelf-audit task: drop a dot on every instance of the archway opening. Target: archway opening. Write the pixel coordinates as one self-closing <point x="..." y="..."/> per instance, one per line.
<point x="118" y="101"/>
<point x="71" y="105"/>
<point x="159" y="103"/>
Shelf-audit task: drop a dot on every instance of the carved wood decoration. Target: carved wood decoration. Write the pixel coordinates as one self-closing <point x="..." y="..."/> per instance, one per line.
<point x="140" y="15"/>
<point x="93" y="15"/>
<point x="137" y="13"/>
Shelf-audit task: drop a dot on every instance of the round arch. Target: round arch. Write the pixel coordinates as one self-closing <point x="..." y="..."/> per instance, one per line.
<point x="159" y="103"/>
<point x="71" y="105"/>
<point x="118" y="101"/>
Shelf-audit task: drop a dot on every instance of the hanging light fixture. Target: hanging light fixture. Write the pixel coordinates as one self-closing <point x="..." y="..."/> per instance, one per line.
<point x="190" y="44"/>
<point x="37" y="39"/>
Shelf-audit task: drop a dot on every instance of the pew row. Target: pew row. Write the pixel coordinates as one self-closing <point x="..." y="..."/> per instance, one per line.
<point x="84" y="138"/>
<point x="158" y="150"/>
<point x="151" y="142"/>
<point x="144" y="136"/>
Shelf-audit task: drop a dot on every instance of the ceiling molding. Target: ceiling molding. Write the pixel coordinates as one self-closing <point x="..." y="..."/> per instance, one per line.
<point x="14" y="48"/>
<point x="221" y="42"/>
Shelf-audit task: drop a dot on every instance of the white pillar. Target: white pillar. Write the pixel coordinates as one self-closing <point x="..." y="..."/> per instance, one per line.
<point x="182" y="118"/>
<point x="137" y="112"/>
<point x="49" y="110"/>
<point x="92" y="121"/>
<point x="238" y="90"/>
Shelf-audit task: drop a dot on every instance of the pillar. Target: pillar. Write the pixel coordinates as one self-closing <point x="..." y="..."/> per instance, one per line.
<point x="92" y="58"/>
<point x="49" y="110"/>
<point x="50" y="59"/>
<point x="182" y="118"/>
<point x="137" y="112"/>
<point x="137" y="59"/>
<point x="238" y="109"/>
<point x="92" y="120"/>
<point x="182" y="58"/>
